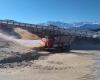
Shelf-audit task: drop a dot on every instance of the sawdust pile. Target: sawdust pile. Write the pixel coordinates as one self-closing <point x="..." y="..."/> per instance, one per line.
<point x="25" y="34"/>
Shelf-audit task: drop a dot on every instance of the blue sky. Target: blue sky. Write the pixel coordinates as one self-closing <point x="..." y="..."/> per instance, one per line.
<point x="38" y="11"/>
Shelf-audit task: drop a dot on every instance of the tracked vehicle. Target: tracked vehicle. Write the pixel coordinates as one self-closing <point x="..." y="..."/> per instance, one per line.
<point x="55" y="38"/>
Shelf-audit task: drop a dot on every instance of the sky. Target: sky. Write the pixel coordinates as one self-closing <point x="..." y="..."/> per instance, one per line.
<point x="40" y="11"/>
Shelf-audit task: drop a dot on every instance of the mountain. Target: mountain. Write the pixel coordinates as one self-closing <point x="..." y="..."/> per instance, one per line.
<point x="78" y="25"/>
<point x="58" y="23"/>
<point x="90" y="26"/>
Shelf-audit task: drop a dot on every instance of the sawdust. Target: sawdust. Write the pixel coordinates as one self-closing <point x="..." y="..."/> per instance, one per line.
<point x="25" y="34"/>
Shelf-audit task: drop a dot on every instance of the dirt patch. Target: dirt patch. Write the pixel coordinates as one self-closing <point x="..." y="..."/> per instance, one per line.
<point x="52" y="67"/>
<point x="62" y="61"/>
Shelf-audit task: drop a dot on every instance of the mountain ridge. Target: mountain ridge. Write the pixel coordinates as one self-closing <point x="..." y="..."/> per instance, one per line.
<point x="78" y="25"/>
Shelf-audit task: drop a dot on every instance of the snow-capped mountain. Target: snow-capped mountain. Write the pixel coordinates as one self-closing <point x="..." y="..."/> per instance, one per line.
<point x="90" y="26"/>
<point x="78" y="25"/>
<point x="59" y="24"/>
